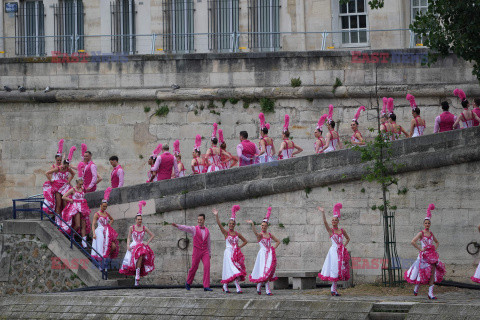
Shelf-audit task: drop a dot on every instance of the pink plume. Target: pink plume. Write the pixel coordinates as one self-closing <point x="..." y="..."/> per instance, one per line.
<point x="141" y="204"/>
<point x="336" y="210"/>
<point x="411" y="99"/>
<point x="60" y="146"/>
<point x="220" y="136"/>
<point x="431" y="207"/>
<point x="261" y="116"/>
<point x="84" y="149"/>
<point x="269" y="212"/>
<point x="330" y="112"/>
<point x="157" y="150"/>
<point x="214" y="133"/>
<point x="287" y="122"/>
<point x="390" y="105"/>
<point x="362" y="108"/>
<point x="198" y="142"/>
<point x="460" y="94"/>
<point x="267" y="125"/>
<point x="106" y="195"/>
<point x="70" y="153"/>
<point x="80" y="168"/>
<point x="235" y="208"/>
<point x="176" y="147"/>
<point x="384" y="108"/>
<point x="321" y="121"/>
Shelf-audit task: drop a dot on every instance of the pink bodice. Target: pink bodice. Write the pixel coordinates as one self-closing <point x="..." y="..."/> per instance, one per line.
<point x="287" y="153"/>
<point x="337" y="239"/>
<point x="78" y="196"/>
<point x="427" y="241"/>
<point x="103" y="220"/>
<point x="266" y="242"/>
<point x="138" y="236"/>
<point x="62" y="175"/>
<point x="231" y="241"/>
<point x="214" y="159"/>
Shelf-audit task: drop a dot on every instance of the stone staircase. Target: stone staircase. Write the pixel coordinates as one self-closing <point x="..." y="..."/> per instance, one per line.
<point x="390" y="310"/>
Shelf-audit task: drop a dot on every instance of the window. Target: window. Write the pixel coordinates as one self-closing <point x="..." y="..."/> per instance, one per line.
<point x="353" y="19"/>
<point x="123" y="26"/>
<point x="418" y="7"/>
<point x="178" y="26"/>
<point x="263" y="25"/>
<point x="223" y="25"/>
<point x="69" y="34"/>
<point x="30" y="29"/>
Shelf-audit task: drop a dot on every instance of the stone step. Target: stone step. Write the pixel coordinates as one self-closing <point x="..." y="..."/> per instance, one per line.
<point x="387" y="315"/>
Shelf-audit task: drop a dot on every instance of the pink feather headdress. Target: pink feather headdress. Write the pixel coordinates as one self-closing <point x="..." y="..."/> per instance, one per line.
<point x="431" y="207"/>
<point x="176" y="147"/>
<point x="198" y="142"/>
<point x="321" y="121"/>
<point x="84" y="149"/>
<point x="267" y="217"/>
<point x="80" y="168"/>
<point x="267" y="125"/>
<point x="460" y="94"/>
<point x="70" y="154"/>
<point x="390" y="105"/>
<point x="384" y="108"/>
<point x="157" y="150"/>
<point x="287" y="122"/>
<point x="141" y="204"/>
<point x="106" y="195"/>
<point x="411" y="99"/>
<point x="261" y="116"/>
<point x="235" y="208"/>
<point x="357" y="115"/>
<point x="214" y="132"/>
<point x="60" y="147"/>
<point x="220" y="136"/>
<point x="336" y="210"/>
<point x="330" y="113"/>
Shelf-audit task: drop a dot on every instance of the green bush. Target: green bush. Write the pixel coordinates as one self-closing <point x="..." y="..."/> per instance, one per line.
<point x="295" y="82"/>
<point x="267" y="105"/>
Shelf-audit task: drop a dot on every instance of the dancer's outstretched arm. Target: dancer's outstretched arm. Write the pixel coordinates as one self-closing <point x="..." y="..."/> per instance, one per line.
<point x="222" y="229"/>
<point x="329" y="230"/>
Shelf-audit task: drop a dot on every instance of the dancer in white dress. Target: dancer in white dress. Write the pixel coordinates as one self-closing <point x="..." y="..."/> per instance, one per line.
<point x="332" y="141"/>
<point x="233" y="258"/>
<point x="267" y="149"/>
<point x="228" y="160"/>
<point x="357" y="138"/>
<point x="428" y="268"/>
<point x="336" y="266"/>
<point x="476" y="276"/>
<point x="105" y="238"/>
<point x="214" y="154"/>
<point x="320" y="142"/>
<point x="178" y="156"/>
<point x="467" y="116"/>
<point x="287" y="147"/>
<point x="198" y="163"/>
<point x="266" y="263"/>
<point x="139" y="259"/>
<point x="417" y="124"/>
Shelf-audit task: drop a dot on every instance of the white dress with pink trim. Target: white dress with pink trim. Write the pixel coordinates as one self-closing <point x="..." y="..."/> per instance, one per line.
<point x="79" y="205"/>
<point x="332" y="144"/>
<point x="138" y="249"/>
<point x="421" y="270"/>
<point x="215" y="162"/>
<point x="59" y="184"/>
<point x="476" y="276"/>
<point x="233" y="261"/>
<point x="287" y="153"/>
<point x="268" y="155"/>
<point x="105" y="236"/>
<point x="336" y="266"/>
<point x="266" y="262"/>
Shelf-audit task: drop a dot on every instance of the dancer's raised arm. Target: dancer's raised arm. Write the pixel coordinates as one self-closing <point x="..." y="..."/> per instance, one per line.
<point x="222" y="229"/>
<point x="329" y="230"/>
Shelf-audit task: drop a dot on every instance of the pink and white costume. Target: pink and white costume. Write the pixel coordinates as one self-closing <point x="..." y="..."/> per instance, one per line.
<point x="90" y="177"/>
<point x="268" y="155"/>
<point x="287" y="152"/>
<point x="176" y="152"/>
<point x="201" y="251"/>
<point x="265" y="263"/>
<point x="198" y="168"/>
<point x="117" y="177"/>
<point x="476" y="110"/>
<point x="138" y="249"/>
<point x="336" y="266"/>
<point x="476" y="276"/>
<point x="247" y="152"/>
<point x="58" y="184"/>
<point x="215" y="162"/>
<point x="233" y="260"/>
<point x="333" y="143"/>
<point x="466" y="123"/>
<point x="105" y="234"/>
<point x="418" y="130"/>
<point x="79" y="205"/>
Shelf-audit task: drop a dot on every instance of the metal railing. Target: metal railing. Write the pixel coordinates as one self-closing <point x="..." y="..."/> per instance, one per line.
<point x="160" y="43"/>
<point x="38" y="199"/>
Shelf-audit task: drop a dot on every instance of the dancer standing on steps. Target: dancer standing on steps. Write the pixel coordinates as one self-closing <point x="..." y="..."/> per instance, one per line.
<point x="105" y="238"/>
<point x="320" y="142"/>
<point x="267" y="149"/>
<point x="357" y="138"/>
<point x="152" y="174"/>
<point x="214" y="154"/>
<point x="233" y="258"/>
<point x="476" y="276"/>
<point x="117" y="176"/>
<point x="336" y="266"/>
<point x="228" y="160"/>
<point x="417" y="125"/>
<point x="467" y="116"/>
<point x="332" y="142"/>
<point x="139" y="259"/>
<point x="266" y="263"/>
<point x="201" y="251"/>
<point x="178" y="156"/>
<point x="428" y="269"/>
<point x="287" y="146"/>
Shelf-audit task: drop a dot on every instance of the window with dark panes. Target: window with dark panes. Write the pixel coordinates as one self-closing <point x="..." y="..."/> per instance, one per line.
<point x="123" y="26"/>
<point x="223" y="25"/>
<point x="353" y="18"/>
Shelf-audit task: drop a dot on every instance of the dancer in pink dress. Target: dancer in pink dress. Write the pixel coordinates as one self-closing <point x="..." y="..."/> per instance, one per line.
<point x="233" y="258"/>
<point x="117" y="177"/>
<point x="178" y="157"/>
<point x="332" y="142"/>
<point x="357" y="138"/>
<point x="151" y="176"/>
<point x="320" y="142"/>
<point x="201" y="251"/>
<point x="336" y="266"/>
<point x="227" y="161"/>
<point x="428" y="269"/>
<point x="476" y="276"/>
<point x="77" y="213"/>
<point x="417" y="125"/>
<point x="287" y="146"/>
<point x="105" y="238"/>
<point x="58" y="183"/>
<point x="267" y="149"/>
<point x="467" y="116"/>
<point x="198" y="163"/>
<point x="476" y="110"/>
<point x="266" y="263"/>
<point x="247" y="151"/>
<point x="139" y="259"/>
<point x="214" y="153"/>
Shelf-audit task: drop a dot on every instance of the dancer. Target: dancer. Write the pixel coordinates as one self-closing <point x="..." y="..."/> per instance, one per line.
<point x="476" y="110"/>
<point x="117" y="176"/>
<point x="476" y="276"/>
<point x="105" y="238"/>
<point x="231" y="160"/>
<point x="214" y="153"/>
<point x="90" y="176"/>
<point x="57" y="184"/>
<point x="332" y="142"/>
<point x="320" y="142"/>
<point x="139" y="259"/>
<point x="417" y="124"/>
<point x="178" y="157"/>
<point x="164" y="164"/>
<point x="151" y="162"/>
<point x="198" y="163"/>
<point x="48" y="192"/>
<point x="267" y="149"/>
<point x="336" y="266"/>
<point x="266" y="263"/>
<point x="428" y="269"/>
<point x="233" y="258"/>
<point x="357" y="138"/>
<point x="446" y="120"/>
<point x="247" y="151"/>
<point x="396" y="129"/>
<point x="287" y="146"/>
<point x="467" y="116"/>
<point x="77" y="211"/>
<point x="201" y="251"/>
<point x="385" y="126"/>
